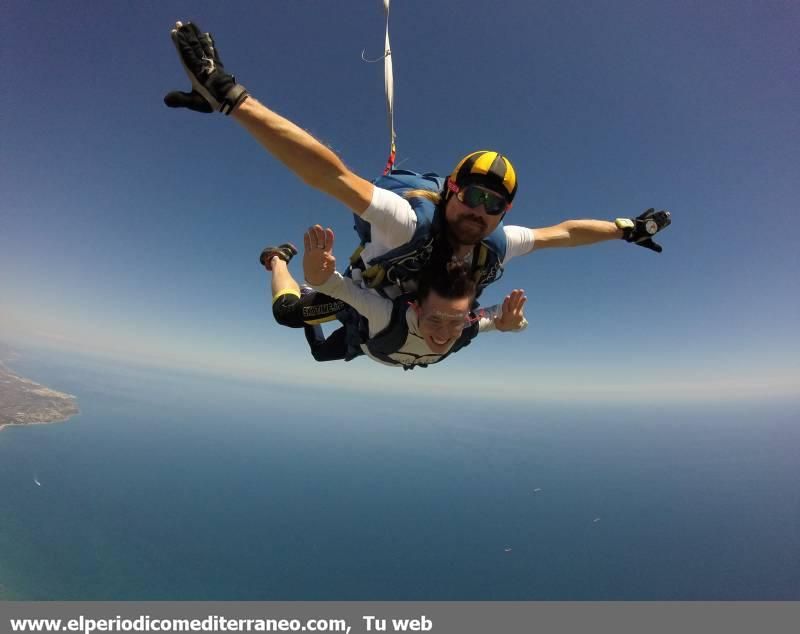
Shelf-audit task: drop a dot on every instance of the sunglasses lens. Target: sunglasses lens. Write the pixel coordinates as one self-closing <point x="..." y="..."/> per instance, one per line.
<point x="472" y="197"/>
<point x="495" y="205"/>
<point x="492" y="203"/>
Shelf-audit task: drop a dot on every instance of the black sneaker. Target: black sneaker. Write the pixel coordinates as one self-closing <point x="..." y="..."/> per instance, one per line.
<point x="285" y="252"/>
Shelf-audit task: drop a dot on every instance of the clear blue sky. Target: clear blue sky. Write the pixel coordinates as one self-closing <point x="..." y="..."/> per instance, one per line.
<point x="133" y="231"/>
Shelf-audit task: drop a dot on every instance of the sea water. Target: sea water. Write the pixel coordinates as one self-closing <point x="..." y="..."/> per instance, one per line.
<point x="181" y="486"/>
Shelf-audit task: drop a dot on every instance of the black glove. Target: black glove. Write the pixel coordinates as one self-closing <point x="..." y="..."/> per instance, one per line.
<point x="642" y="229"/>
<point x="212" y="88"/>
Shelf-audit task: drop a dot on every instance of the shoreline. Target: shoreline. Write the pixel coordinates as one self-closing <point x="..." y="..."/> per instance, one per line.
<point x="39" y="422"/>
<point x="26" y="402"/>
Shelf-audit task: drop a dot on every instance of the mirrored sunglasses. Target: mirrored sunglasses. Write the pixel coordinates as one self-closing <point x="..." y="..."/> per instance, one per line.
<point x="473" y="196"/>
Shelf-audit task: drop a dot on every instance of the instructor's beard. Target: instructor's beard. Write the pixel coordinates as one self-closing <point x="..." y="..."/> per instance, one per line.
<point x="468" y="229"/>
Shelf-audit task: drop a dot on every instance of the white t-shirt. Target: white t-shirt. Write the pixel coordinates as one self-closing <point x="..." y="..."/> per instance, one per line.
<point x="378" y="311"/>
<point x="393" y="221"/>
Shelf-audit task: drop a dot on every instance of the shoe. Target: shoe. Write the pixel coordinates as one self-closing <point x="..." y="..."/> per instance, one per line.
<point x="285" y="252"/>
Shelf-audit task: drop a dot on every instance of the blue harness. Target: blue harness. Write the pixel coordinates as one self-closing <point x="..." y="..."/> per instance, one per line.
<point x="402" y="264"/>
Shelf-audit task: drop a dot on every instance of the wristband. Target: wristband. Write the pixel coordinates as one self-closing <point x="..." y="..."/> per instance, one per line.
<point x="626" y="225"/>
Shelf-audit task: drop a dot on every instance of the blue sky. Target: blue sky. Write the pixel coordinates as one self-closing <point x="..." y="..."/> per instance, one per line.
<point x="132" y="231"/>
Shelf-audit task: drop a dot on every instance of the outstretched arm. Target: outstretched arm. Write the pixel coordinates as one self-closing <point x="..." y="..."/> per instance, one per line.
<point x="315" y="164"/>
<point x="576" y="233"/>
<point x="214" y="88"/>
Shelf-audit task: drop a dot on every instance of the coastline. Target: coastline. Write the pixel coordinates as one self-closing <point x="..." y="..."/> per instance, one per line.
<point x="25" y="402"/>
<point x="40" y="422"/>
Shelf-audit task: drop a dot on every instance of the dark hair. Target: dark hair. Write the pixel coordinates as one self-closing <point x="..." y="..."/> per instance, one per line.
<point x="449" y="280"/>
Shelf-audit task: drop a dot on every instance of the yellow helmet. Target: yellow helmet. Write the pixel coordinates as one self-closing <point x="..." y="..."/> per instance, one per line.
<point x="488" y="169"/>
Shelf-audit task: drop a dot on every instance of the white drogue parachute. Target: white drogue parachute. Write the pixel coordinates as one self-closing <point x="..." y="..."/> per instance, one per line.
<point x="388" y="82"/>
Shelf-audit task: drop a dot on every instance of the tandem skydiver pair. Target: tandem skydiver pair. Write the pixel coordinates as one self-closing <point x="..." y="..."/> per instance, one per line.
<point x="416" y="231"/>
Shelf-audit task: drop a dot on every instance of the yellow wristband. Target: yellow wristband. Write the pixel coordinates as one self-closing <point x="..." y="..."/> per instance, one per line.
<point x="624" y="223"/>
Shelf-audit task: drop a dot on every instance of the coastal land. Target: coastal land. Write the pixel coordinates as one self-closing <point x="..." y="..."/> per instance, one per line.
<point x="25" y="402"/>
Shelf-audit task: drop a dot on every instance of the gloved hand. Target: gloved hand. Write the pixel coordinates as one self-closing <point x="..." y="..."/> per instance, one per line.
<point x="212" y="88"/>
<point x="641" y="229"/>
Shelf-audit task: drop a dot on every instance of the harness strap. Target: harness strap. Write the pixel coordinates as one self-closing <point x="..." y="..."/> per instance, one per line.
<point x="355" y="259"/>
<point x="373" y="276"/>
<point x="480" y="262"/>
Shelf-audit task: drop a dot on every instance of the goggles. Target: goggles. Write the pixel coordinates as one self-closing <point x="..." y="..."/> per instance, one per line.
<point x="473" y="196"/>
<point x="445" y="321"/>
<point x="453" y="323"/>
<point x="438" y="324"/>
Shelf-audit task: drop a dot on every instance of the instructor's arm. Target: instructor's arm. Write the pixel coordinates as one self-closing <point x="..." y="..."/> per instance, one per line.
<point x="310" y="160"/>
<point x="575" y="233"/>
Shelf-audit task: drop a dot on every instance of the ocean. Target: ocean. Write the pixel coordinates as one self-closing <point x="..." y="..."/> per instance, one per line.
<point x="187" y="487"/>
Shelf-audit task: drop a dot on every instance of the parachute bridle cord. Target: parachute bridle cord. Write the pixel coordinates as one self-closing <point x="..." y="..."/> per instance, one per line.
<point x="388" y="80"/>
<point x="377" y="59"/>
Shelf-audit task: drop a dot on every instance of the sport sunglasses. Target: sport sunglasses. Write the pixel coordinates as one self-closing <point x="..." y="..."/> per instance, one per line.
<point x="473" y="196"/>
